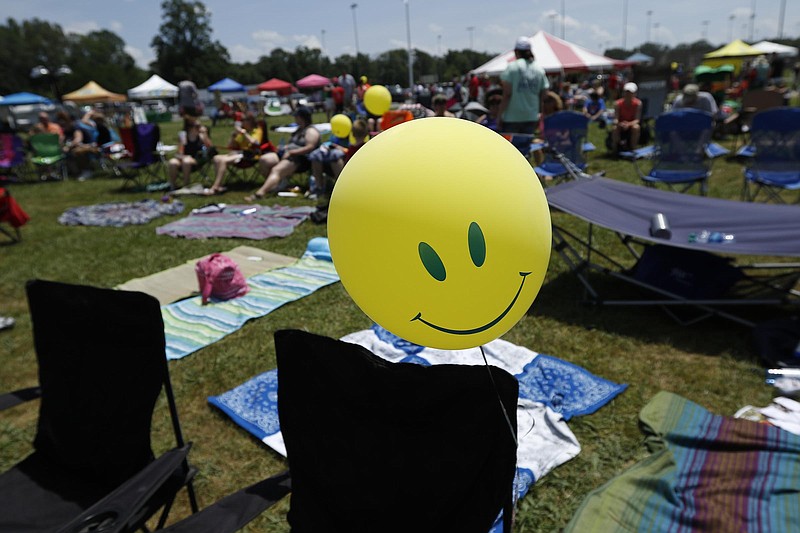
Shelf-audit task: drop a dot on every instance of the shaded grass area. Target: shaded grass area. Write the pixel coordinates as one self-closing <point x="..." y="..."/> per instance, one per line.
<point x="711" y="363"/>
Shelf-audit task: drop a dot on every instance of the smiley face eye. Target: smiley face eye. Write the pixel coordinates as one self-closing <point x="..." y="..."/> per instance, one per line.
<point x="432" y="262"/>
<point x="477" y="244"/>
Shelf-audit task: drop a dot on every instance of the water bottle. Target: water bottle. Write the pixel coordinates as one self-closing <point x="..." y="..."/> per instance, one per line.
<point x="715" y="237"/>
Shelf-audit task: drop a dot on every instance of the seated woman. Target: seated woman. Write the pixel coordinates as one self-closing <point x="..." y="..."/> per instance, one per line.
<point x="192" y="141"/>
<point x="493" y="99"/>
<point x="77" y="146"/>
<point x="334" y="158"/>
<point x="294" y="158"/>
<point x="245" y="141"/>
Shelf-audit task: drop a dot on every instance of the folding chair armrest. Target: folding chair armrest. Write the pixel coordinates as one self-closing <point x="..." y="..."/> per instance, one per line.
<point x="120" y="511"/>
<point x="638" y="168"/>
<point x="11" y="399"/>
<point x="234" y="511"/>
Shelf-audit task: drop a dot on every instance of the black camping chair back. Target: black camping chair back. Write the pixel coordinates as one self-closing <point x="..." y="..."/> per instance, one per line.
<point x="409" y="429"/>
<point x="102" y="366"/>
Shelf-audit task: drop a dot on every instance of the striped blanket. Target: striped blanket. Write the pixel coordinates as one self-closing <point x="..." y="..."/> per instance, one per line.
<point x="189" y="325"/>
<point x="242" y="221"/>
<point x="707" y="473"/>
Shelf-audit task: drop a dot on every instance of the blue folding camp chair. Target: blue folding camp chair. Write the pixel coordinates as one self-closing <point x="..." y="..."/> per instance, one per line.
<point x="775" y="165"/>
<point x="679" y="159"/>
<point x="565" y="137"/>
<point x="146" y="161"/>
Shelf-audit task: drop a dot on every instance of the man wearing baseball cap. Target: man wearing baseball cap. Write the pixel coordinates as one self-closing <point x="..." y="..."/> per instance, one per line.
<point x="691" y="96"/>
<point x="524" y="83"/>
<point x="628" y="115"/>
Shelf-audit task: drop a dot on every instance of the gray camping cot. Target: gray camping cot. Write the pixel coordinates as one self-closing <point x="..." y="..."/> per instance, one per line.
<point x="676" y="270"/>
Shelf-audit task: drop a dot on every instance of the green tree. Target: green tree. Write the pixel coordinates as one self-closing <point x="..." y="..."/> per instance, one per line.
<point x="183" y="46"/>
<point x="101" y="56"/>
<point x="28" y="44"/>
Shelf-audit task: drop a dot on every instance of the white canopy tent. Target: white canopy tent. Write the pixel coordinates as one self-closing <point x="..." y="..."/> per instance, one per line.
<point x="782" y="50"/>
<point x="154" y="87"/>
<point x="554" y="55"/>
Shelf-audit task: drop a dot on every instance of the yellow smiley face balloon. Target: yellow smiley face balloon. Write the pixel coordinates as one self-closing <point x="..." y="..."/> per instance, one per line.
<point x="440" y="232"/>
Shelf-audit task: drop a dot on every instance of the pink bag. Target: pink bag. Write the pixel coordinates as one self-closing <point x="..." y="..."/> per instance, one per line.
<point x="219" y="276"/>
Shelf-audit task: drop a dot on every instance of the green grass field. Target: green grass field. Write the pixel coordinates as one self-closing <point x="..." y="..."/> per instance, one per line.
<point x="712" y="363"/>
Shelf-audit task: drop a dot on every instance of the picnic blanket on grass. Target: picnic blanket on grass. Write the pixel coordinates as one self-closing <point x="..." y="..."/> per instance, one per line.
<point x="189" y="325"/>
<point x="551" y="392"/>
<point x="707" y="473"/>
<point x="180" y="282"/>
<point x="242" y="221"/>
<point x="118" y="214"/>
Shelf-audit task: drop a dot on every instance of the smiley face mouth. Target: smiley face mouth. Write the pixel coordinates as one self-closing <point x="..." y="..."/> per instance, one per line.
<point x="479" y="329"/>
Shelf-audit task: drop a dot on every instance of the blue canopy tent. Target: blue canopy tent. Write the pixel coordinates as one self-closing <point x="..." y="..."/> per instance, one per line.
<point x="23" y="99"/>
<point x="639" y="57"/>
<point x="227" y="85"/>
<point x="20" y="109"/>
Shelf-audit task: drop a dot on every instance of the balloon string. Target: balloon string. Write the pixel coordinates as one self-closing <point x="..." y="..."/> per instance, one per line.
<point x="499" y="398"/>
<point x="514" y="492"/>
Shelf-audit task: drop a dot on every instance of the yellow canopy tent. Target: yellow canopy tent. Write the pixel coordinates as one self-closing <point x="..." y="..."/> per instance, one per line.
<point x="733" y="53"/>
<point x="92" y="93"/>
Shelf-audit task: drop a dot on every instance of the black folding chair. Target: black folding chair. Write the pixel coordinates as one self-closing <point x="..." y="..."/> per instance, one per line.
<point x="102" y="366"/>
<point x="407" y="428"/>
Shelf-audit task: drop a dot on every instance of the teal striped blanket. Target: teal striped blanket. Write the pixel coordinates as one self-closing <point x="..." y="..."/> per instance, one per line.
<point x="189" y="325"/>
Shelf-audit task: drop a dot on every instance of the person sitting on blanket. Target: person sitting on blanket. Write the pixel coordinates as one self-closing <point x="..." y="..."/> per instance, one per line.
<point x="244" y="143"/>
<point x="294" y="157"/>
<point x="193" y="144"/>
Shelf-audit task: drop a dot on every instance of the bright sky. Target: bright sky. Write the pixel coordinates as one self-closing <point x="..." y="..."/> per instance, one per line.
<point x="249" y="29"/>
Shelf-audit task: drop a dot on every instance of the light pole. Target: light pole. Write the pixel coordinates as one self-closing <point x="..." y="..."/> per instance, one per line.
<point x="471" y="30"/>
<point x="355" y="26"/>
<point x="731" y="17"/>
<point x="563" y="20"/>
<point x="410" y="52"/>
<point x="705" y="30"/>
<point x="323" y="41"/>
<point x="647" y="28"/>
<point x="752" y="21"/>
<point x="42" y="72"/>
<point x="355" y="33"/>
<point x="624" y="24"/>
<point x="780" y="19"/>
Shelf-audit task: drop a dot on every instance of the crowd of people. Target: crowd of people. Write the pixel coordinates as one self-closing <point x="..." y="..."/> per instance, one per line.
<point x="515" y="103"/>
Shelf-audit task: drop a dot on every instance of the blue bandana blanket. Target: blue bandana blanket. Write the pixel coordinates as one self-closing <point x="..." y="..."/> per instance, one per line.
<point x="551" y="392"/>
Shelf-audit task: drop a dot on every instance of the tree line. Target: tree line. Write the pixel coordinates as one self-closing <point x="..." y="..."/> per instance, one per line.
<point x="184" y="47"/>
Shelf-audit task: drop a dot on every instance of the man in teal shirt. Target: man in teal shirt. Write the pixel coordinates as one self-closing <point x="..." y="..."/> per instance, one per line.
<point x="524" y="84"/>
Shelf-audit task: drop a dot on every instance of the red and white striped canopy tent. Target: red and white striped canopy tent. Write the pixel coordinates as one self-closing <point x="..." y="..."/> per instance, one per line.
<point x="555" y="56"/>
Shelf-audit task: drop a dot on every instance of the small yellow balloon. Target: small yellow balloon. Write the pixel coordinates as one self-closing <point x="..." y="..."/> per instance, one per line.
<point x="377" y="100"/>
<point x="341" y="125"/>
<point x="440" y="232"/>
